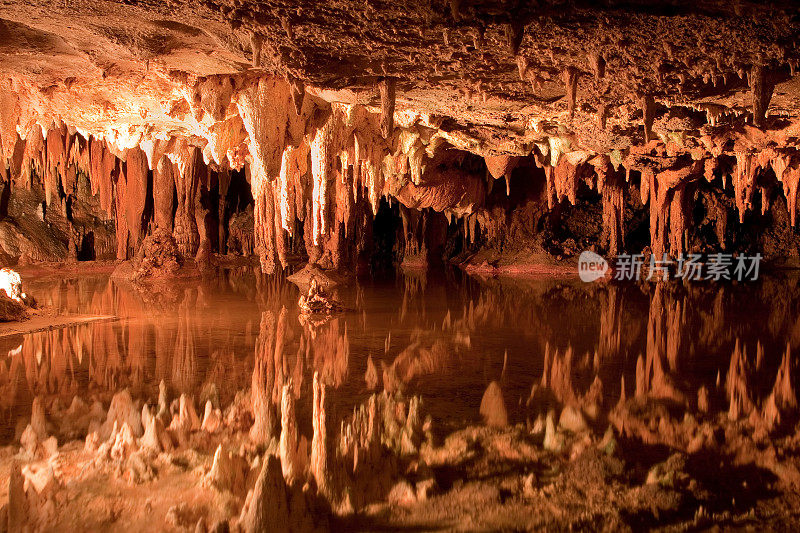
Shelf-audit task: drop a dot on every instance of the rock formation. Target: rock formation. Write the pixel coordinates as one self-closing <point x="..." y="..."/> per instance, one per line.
<point x="323" y="134"/>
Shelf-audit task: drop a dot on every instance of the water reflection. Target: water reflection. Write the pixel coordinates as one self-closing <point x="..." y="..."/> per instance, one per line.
<point x="723" y="348"/>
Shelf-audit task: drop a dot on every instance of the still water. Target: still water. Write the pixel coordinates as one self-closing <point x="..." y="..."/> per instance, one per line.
<point x="443" y="336"/>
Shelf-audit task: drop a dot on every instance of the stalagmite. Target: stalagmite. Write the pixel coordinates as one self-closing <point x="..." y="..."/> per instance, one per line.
<point x="371" y="375"/>
<point x="493" y="409"/>
<point x="154" y="437"/>
<point x="227" y="471"/>
<point x="123" y="410"/>
<point x="267" y="507"/>
<point x="212" y="419"/>
<point x="186" y="419"/>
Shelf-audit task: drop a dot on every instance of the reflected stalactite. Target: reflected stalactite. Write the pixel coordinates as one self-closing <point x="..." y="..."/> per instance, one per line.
<point x="329" y="350"/>
<point x="664" y="335"/>
<point x="184" y="358"/>
<point x="681" y="340"/>
<point x="783" y="398"/>
<point x="263" y="381"/>
<point x="611" y="324"/>
<point x="319" y="441"/>
<point x="737" y="386"/>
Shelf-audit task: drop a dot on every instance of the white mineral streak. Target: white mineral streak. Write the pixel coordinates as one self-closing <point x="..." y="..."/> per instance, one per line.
<point x="11" y="283"/>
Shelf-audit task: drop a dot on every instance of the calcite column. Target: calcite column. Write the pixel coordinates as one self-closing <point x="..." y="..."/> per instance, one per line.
<point x="264" y="108"/>
<point x="223" y="183"/>
<point x="202" y="217"/>
<point x="164" y="172"/>
<point x="192" y="173"/>
<point x="131" y="202"/>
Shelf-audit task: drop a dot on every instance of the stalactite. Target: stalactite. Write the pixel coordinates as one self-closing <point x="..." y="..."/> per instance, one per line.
<point x="610" y="186"/>
<point x="761" y="89"/>
<point x="660" y="196"/>
<point x="56" y="162"/>
<point x="294" y="165"/>
<point x="103" y="164"/>
<point x="514" y="31"/>
<point x="565" y="181"/>
<point x="501" y="166"/>
<point x="570" y="77"/>
<point x="789" y="176"/>
<point x="226" y="142"/>
<point x="680" y="210"/>
<point x="320" y="174"/>
<point x="278" y="233"/>
<point x="298" y="93"/>
<point x="649" y="115"/>
<point x="598" y="64"/>
<point x="744" y="182"/>
<point x="386" y="87"/>
<point x="255" y="49"/>
<point x="522" y="67"/>
<point x="33" y="156"/>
